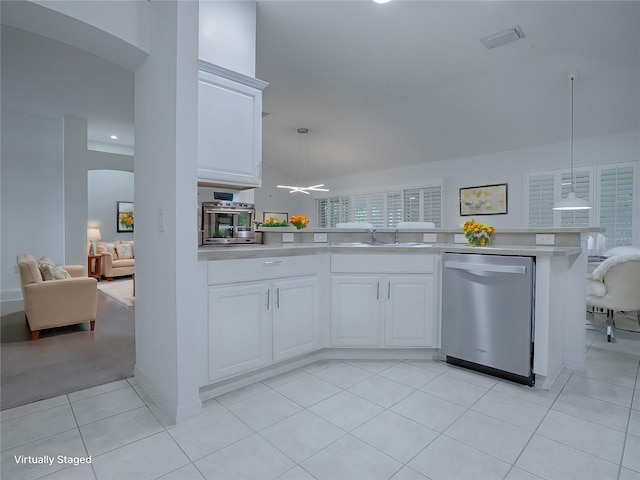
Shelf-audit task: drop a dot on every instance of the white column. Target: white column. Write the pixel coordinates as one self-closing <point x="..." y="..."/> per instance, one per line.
<point x="76" y="208"/>
<point x="165" y="204"/>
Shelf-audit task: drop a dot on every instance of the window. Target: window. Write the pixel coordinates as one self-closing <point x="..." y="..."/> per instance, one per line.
<point x="610" y="190"/>
<point x="616" y="213"/>
<point x="546" y="188"/>
<point x="382" y="209"/>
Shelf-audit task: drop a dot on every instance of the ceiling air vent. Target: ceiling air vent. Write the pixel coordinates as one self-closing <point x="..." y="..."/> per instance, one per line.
<point x="501" y="38"/>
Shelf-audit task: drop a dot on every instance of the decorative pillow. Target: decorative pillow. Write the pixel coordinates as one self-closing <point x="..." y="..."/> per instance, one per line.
<point x="110" y="248"/>
<point x="129" y="242"/>
<point x="124" y="251"/>
<point x="50" y="271"/>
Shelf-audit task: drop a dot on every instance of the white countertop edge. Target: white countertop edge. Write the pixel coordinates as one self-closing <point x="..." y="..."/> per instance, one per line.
<point x="259" y="250"/>
<point x="431" y="230"/>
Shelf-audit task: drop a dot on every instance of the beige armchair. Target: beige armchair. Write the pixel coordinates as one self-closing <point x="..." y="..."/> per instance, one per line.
<point x="615" y="286"/>
<point x="56" y="303"/>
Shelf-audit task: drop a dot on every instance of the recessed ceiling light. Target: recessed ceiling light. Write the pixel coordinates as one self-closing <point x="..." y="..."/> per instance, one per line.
<point x="114" y="137"/>
<point x="381" y="1"/>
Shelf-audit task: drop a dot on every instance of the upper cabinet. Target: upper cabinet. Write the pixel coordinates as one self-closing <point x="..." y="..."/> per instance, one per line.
<point x="229" y="127"/>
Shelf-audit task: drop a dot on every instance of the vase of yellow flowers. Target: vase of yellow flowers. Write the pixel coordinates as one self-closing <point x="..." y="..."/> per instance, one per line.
<point x="477" y="234"/>
<point x="299" y="221"/>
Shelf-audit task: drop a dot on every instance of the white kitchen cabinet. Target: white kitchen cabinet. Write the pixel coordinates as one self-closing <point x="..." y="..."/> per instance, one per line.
<point x="395" y="307"/>
<point x="355" y="310"/>
<point x="295" y="317"/>
<point x="410" y="313"/>
<point x="229" y="127"/>
<point x="261" y="311"/>
<point x="239" y="329"/>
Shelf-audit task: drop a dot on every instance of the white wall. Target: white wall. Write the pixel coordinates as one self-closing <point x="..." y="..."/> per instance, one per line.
<point x="32" y="193"/>
<point x="121" y="33"/>
<point x="501" y="167"/>
<point x="105" y="189"/>
<point x="228" y="35"/>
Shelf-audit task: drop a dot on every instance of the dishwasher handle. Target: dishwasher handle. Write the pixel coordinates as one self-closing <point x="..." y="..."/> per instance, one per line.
<point x="480" y="267"/>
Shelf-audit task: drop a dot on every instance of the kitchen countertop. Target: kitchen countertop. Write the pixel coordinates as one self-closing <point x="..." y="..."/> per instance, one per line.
<point x="229" y="252"/>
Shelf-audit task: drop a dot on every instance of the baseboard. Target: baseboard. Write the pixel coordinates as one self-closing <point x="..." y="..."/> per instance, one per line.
<point x="223" y="386"/>
<point x="11" y="302"/>
<point x="175" y="413"/>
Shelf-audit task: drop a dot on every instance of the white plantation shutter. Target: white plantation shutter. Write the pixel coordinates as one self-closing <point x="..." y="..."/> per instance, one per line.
<point x="541" y="199"/>
<point x="358" y="209"/>
<point x="323" y="219"/>
<point x="432" y="205"/>
<point x="411" y="205"/>
<point x="394" y="208"/>
<point x="616" y="203"/>
<point x="382" y="209"/>
<point x="376" y="210"/>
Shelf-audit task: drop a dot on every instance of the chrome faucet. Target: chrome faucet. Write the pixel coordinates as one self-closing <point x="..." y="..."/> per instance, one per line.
<point x="397" y="236"/>
<point x="372" y="234"/>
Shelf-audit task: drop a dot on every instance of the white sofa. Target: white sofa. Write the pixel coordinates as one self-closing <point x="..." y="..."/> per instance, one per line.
<point x="117" y="261"/>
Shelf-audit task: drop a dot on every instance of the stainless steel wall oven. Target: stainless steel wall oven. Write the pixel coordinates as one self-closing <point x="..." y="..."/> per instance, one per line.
<point x="228" y="222"/>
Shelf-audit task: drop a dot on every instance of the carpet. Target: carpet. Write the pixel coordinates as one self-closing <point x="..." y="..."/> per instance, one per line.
<point x="119" y="290"/>
<point x="65" y="359"/>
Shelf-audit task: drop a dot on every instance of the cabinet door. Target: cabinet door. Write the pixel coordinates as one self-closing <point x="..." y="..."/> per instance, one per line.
<point x="229" y="132"/>
<point x="239" y="329"/>
<point x="410" y="310"/>
<point x="295" y="317"/>
<point x="355" y="310"/>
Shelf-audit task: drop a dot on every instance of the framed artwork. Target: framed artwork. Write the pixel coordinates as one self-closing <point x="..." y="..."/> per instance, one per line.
<point x="278" y="216"/>
<point x="124" y="217"/>
<point x="483" y="200"/>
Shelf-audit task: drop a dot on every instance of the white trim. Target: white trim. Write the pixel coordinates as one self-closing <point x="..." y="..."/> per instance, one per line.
<point x="177" y="413"/>
<point x="231" y="75"/>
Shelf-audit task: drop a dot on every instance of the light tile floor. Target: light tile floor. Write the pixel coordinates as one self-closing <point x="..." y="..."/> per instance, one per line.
<point x="351" y="420"/>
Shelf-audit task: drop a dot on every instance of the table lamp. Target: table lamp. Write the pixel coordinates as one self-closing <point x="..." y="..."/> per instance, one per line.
<point x="93" y="234"/>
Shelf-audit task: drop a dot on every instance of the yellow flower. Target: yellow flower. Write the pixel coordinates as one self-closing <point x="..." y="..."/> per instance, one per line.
<point x="299" y="221"/>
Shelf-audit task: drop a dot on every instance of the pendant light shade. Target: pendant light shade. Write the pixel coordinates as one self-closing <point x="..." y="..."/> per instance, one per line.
<point x="572" y="202"/>
<point x="303" y="157"/>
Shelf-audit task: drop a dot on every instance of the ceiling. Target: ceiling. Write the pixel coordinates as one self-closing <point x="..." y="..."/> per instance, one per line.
<point x="381" y="86"/>
<point x="407" y="82"/>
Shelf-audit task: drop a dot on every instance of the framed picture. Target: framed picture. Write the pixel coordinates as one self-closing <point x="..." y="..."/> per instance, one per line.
<point x="483" y="200"/>
<point x="124" y="217"/>
<point x="277" y="216"/>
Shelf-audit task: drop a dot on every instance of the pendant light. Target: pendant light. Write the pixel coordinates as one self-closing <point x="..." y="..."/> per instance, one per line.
<point x="303" y="158"/>
<point x="572" y="202"/>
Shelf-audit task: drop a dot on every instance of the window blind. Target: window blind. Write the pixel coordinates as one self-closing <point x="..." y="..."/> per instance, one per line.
<point x="382" y="209"/>
<point x="616" y="204"/>
<point x="541" y="199"/>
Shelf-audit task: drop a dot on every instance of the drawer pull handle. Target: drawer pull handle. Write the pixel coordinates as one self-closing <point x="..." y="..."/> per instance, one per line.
<point x="272" y="262"/>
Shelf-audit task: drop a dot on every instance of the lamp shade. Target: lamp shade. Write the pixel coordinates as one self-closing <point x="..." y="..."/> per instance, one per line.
<point x="572" y="203"/>
<point x="93" y="233"/>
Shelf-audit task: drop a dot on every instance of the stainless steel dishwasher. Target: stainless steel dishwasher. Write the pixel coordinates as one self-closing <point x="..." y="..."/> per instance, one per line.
<point x="487" y="314"/>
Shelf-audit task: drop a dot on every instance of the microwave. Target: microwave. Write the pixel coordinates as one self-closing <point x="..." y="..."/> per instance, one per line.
<point x="227" y="222"/>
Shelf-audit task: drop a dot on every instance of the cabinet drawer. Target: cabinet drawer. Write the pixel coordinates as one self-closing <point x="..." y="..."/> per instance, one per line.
<point x="382" y="263"/>
<point x="220" y="272"/>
